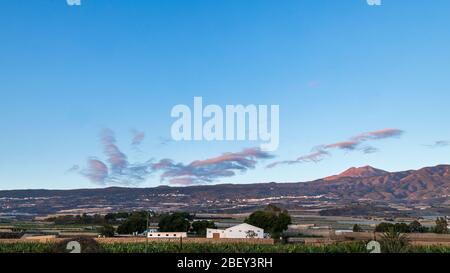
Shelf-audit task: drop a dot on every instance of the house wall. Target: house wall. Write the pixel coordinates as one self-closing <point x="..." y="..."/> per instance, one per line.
<point x="210" y="233"/>
<point x="236" y="232"/>
<point x="160" y="235"/>
<point x="241" y="232"/>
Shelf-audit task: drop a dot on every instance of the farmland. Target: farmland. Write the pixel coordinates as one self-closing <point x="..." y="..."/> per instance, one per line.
<point x="163" y="247"/>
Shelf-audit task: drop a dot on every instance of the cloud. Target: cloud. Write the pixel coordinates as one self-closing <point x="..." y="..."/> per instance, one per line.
<point x="96" y="171"/>
<point x="313" y="84"/>
<point x="313" y="157"/>
<point x="345" y="145"/>
<point x="117" y="159"/>
<point x="439" y="144"/>
<point x="211" y="169"/>
<point x="72" y="169"/>
<point x="357" y="143"/>
<point x="381" y="134"/>
<point x="117" y="169"/>
<point x="164" y="140"/>
<point x="138" y="137"/>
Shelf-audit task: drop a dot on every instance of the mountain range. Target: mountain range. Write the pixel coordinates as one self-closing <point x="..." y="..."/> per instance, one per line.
<point x="426" y="186"/>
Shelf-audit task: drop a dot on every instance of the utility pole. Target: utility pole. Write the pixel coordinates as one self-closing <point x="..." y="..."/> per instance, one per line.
<point x="181" y="243"/>
<point x="148" y="230"/>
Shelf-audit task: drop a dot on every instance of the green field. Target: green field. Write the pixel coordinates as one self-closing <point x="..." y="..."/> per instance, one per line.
<point x="213" y="248"/>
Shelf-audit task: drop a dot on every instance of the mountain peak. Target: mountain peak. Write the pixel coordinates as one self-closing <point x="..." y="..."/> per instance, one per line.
<point x="361" y="172"/>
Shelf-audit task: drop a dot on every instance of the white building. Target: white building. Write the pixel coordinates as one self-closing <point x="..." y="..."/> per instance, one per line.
<point x="241" y="231"/>
<point x="165" y="235"/>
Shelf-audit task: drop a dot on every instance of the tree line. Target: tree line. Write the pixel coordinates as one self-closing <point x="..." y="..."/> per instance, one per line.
<point x="272" y="219"/>
<point x="441" y="227"/>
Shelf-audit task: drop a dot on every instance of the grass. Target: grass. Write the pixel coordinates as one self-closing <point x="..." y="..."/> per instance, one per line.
<point x="213" y="248"/>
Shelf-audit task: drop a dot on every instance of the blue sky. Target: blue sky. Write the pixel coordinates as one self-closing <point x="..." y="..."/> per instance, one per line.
<point x="338" y="69"/>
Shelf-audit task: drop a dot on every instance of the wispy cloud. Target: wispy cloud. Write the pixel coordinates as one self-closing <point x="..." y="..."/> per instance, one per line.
<point x="96" y="171"/>
<point x="138" y="137"/>
<point x="439" y="144"/>
<point x="72" y="169"/>
<point x="313" y="157"/>
<point x="357" y="143"/>
<point x="164" y="140"/>
<point x="313" y="84"/>
<point x="211" y="169"/>
<point x="117" y="169"/>
<point x="117" y="160"/>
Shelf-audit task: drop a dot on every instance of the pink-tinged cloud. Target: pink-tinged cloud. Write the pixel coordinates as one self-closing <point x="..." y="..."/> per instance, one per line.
<point x="357" y="143"/>
<point x="117" y="170"/>
<point x="138" y="137"/>
<point x="96" y="171"/>
<point x="211" y="169"/>
<point x="381" y="134"/>
<point x="117" y="159"/>
<point x="344" y="145"/>
<point x="314" y="157"/>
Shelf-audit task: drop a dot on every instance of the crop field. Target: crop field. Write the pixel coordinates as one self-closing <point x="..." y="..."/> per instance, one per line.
<point x="357" y="247"/>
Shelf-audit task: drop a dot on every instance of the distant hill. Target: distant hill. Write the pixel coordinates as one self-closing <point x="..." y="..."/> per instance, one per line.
<point x="362" y="172"/>
<point x="425" y="186"/>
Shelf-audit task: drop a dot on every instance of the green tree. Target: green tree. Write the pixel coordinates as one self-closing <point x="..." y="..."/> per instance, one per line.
<point x="401" y="227"/>
<point x="384" y="227"/>
<point x="107" y="231"/>
<point x="416" y="227"/>
<point x="136" y="222"/>
<point x="272" y="219"/>
<point x="199" y="227"/>
<point x="393" y="241"/>
<point x="176" y="222"/>
<point x="441" y="226"/>
<point x="357" y="228"/>
<point x="398" y="227"/>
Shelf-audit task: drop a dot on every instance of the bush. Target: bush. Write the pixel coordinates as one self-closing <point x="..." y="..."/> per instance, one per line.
<point x="107" y="231"/>
<point x="357" y="228"/>
<point x="441" y="226"/>
<point x="87" y="245"/>
<point x="394" y="242"/>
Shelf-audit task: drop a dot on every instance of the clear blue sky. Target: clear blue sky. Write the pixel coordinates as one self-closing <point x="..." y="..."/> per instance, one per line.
<point x="336" y="68"/>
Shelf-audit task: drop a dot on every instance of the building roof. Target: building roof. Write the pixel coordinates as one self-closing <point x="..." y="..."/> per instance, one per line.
<point x="244" y="226"/>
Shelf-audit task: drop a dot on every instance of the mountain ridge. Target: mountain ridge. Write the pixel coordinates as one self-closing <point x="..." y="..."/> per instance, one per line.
<point x="429" y="185"/>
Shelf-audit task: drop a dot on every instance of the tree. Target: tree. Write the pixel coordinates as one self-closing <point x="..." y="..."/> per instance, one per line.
<point x="441" y="226"/>
<point x="199" y="227"/>
<point x="393" y="241"/>
<point x="136" y="222"/>
<point x="398" y="227"/>
<point x="175" y="222"/>
<point x="384" y="227"/>
<point x="401" y="227"/>
<point x="357" y="228"/>
<point x="416" y="227"/>
<point x="273" y="220"/>
<point x="107" y="231"/>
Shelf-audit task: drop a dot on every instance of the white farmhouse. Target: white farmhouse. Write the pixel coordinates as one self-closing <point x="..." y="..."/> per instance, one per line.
<point x="241" y="231"/>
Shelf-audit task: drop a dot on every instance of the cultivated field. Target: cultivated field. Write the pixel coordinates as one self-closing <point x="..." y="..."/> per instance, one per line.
<point x="171" y="247"/>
